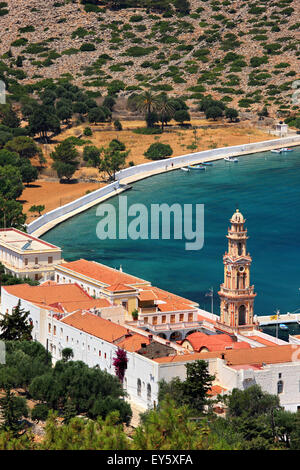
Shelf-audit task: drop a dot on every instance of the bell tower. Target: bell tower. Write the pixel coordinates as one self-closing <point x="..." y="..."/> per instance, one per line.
<point x="236" y="294"/>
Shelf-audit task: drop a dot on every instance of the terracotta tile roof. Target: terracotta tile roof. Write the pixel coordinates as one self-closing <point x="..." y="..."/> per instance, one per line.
<point x="68" y="297"/>
<point x="217" y="342"/>
<point x="216" y="390"/>
<point x="100" y="272"/>
<point x="255" y="356"/>
<point x="147" y="295"/>
<point x="263" y="341"/>
<point x="95" y="326"/>
<point x="172" y="302"/>
<point x="119" y="287"/>
<point x="134" y="342"/>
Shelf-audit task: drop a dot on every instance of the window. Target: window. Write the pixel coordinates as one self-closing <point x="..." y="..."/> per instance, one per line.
<point x="36" y="277"/>
<point x="36" y="261"/>
<point x="26" y="261"/>
<point x="190" y="317"/>
<point x="50" y="259"/>
<point x="154" y="320"/>
<point x="149" y="392"/>
<point x="99" y="353"/>
<point x="57" y="278"/>
<point x="181" y="317"/>
<point x="54" y="330"/>
<point x="279" y="386"/>
<point x="145" y="319"/>
<point x="67" y="339"/>
<point x="163" y="319"/>
<point x="49" y="327"/>
<point x="139" y="387"/>
<point x="125" y="305"/>
<point x="172" y="320"/>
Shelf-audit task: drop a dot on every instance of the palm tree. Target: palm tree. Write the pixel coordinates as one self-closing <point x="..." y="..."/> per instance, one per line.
<point x="165" y="109"/>
<point x="147" y="102"/>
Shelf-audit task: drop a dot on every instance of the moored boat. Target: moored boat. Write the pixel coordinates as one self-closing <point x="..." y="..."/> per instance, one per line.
<point x="231" y="159"/>
<point x="196" y="167"/>
<point x="282" y="326"/>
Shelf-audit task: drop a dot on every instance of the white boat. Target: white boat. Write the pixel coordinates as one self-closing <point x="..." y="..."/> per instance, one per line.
<point x="196" y="167"/>
<point x="231" y="159"/>
<point x="185" y="169"/>
<point x="286" y="150"/>
<point x="282" y="326"/>
<point x="276" y="151"/>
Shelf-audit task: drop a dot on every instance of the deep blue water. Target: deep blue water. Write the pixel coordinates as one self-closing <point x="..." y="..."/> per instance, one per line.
<point x="266" y="189"/>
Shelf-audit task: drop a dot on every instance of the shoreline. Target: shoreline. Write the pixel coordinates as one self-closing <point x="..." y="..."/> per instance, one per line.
<point x="168" y="165"/>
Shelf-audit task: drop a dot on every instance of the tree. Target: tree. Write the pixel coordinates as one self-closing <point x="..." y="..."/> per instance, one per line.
<point x="23" y="145"/>
<point x="8" y="116"/>
<point x="118" y="125"/>
<point x="11" y="214"/>
<point x="165" y="110"/>
<point x="231" y="114"/>
<point x="169" y="428"/>
<point x="158" y="151"/>
<point x="213" y="112"/>
<point x="65" y="159"/>
<point x="42" y="120"/>
<point x="96" y="115"/>
<point x="181" y="116"/>
<point x="9" y="158"/>
<point x="191" y="392"/>
<point x="147" y="103"/>
<point x="77" y="434"/>
<point x="15" y="326"/>
<point x="12" y="408"/>
<point x="11" y="186"/>
<point x="40" y="412"/>
<point x="37" y="208"/>
<point x="113" y="160"/>
<point x="67" y="354"/>
<point x="29" y="173"/>
<point x="91" y="154"/>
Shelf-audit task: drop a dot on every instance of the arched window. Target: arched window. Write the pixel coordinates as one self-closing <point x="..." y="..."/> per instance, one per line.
<point x="139" y="387"/>
<point x="149" y="392"/>
<point x="279" y="386"/>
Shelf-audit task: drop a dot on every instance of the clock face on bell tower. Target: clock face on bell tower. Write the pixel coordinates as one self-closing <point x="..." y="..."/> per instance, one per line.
<point x="236" y="293"/>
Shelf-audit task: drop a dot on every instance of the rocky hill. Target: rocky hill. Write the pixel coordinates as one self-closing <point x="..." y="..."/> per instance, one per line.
<point x="245" y="53"/>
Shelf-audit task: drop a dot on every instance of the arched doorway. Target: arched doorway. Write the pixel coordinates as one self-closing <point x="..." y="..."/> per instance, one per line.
<point x="162" y="335"/>
<point x="176" y="336"/>
<point x="242" y="315"/>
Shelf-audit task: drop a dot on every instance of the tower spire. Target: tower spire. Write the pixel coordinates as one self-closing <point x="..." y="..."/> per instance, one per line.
<point x="236" y="294"/>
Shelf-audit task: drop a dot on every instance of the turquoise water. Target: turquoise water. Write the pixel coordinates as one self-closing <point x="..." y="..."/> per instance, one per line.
<point x="266" y="189"/>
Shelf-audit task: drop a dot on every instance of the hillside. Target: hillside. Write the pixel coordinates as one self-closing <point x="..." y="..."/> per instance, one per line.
<point x="245" y="53"/>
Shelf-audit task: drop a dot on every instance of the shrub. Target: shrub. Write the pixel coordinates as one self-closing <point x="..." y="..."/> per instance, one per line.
<point x="158" y="151"/>
<point x="86" y="47"/>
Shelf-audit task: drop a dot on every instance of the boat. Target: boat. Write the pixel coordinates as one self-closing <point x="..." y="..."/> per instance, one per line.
<point x="207" y="163"/>
<point x="196" y="167"/>
<point x="286" y="150"/>
<point x="231" y="159"/>
<point x="185" y="169"/>
<point x="276" y="151"/>
<point x="282" y="326"/>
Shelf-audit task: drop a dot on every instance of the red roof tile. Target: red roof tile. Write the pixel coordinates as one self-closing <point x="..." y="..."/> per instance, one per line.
<point x="96" y="326"/>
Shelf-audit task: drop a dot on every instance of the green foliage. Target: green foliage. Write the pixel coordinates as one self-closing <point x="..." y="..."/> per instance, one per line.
<point x="113" y="158"/>
<point x="16" y="326"/>
<point x="158" y="151"/>
<point x="12" y="409"/>
<point x="90" y="390"/>
<point x="65" y="158"/>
